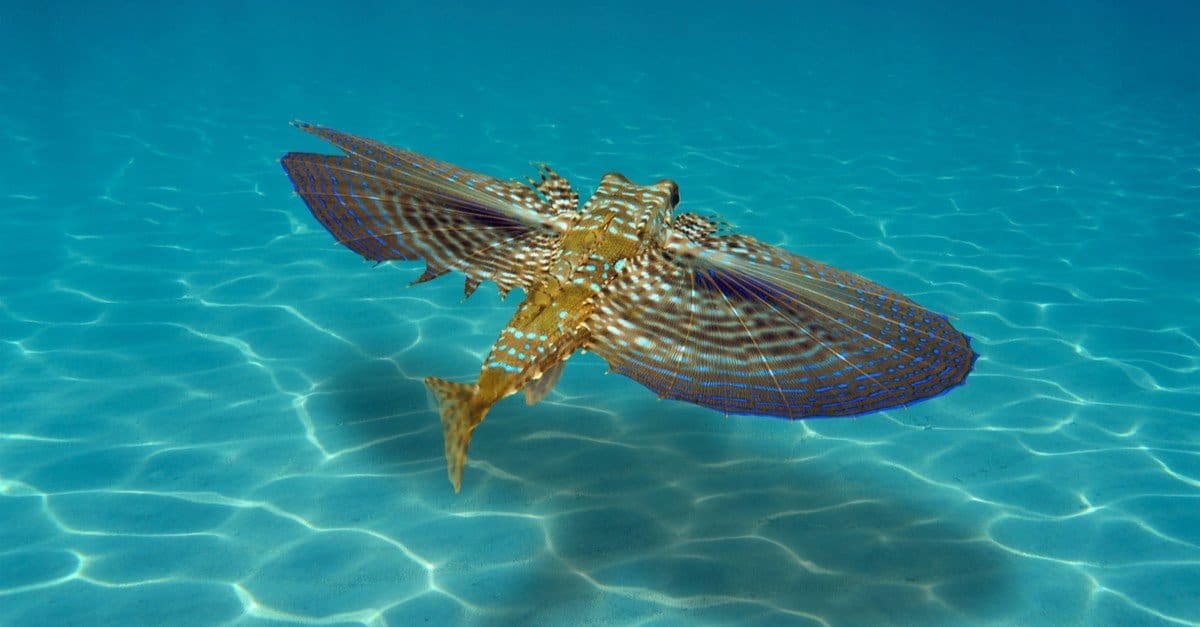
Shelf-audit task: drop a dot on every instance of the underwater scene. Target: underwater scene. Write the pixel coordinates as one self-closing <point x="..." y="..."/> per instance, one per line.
<point x="779" y="313"/>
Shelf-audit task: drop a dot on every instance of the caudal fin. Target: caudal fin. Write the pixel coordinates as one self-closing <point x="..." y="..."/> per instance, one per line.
<point x="460" y="416"/>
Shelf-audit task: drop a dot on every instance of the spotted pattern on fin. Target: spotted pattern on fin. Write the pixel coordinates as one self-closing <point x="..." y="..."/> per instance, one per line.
<point x="389" y="204"/>
<point x="556" y="189"/>
<point x="736" y="325"/>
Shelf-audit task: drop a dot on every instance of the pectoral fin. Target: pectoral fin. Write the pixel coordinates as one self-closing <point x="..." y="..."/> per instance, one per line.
<point x="460" y="415"/>
<point x="538" y="389"/>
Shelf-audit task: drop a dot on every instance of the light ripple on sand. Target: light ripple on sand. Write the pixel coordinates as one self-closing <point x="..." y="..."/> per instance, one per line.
<point x="251" y="397"/>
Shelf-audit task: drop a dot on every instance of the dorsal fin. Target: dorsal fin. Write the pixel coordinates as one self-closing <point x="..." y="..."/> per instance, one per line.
<point x="556" y="189"/>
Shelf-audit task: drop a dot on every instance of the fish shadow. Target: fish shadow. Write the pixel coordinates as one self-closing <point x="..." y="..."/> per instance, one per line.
<point x="385" y="415"/>
<point x="683" y="513"/>
<point x="666" y="509"/>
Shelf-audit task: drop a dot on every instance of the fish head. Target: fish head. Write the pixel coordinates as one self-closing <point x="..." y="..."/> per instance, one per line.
<point x="639" y="213"/>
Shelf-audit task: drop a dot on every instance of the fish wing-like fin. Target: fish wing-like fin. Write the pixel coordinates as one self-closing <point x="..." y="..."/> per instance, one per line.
<point x="385" y="203"/>
<point x="538" y="389"/>
<point x="727" y="322"/>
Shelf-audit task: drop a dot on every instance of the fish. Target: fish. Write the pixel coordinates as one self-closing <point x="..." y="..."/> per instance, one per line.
<point x="677" y="301"/>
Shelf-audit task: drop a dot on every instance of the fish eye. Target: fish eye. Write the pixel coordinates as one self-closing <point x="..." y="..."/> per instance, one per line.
<point x="674" y="196"/>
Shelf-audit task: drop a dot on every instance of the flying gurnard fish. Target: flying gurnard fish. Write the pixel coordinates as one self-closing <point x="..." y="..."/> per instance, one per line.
<point x="670" y="300"/>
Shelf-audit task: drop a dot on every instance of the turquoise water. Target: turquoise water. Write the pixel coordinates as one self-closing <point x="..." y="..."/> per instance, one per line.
<point x="211" y="414"/>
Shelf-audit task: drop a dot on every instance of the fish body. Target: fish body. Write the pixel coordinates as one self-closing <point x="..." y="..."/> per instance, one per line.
<point x="669" y="299"/>
<point x="619" y="222"/>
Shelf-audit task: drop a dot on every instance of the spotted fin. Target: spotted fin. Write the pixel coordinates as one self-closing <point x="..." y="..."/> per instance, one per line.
<point x="730" y="323"/>
<point x="539" y="388"/>
<point x="460" y="415"/>
<point x="556" y="190"/>
<point x="385" y="203"/>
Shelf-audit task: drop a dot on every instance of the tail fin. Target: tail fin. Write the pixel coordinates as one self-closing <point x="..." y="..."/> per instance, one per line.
<point x="460" y="416"/>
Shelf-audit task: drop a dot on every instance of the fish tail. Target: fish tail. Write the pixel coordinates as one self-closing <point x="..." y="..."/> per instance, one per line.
<point x="461" y="412"/>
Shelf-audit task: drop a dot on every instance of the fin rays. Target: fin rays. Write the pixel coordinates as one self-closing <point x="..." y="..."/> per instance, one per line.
<point x="451" y="218"/>
<point x="754" y="333"/>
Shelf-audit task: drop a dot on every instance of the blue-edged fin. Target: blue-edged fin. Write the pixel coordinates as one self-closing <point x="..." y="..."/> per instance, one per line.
<point x="460" y="415"/>
<point x="538" y="389"/>
<point x="730" y="323"/>
<point x="390" y="204"/>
